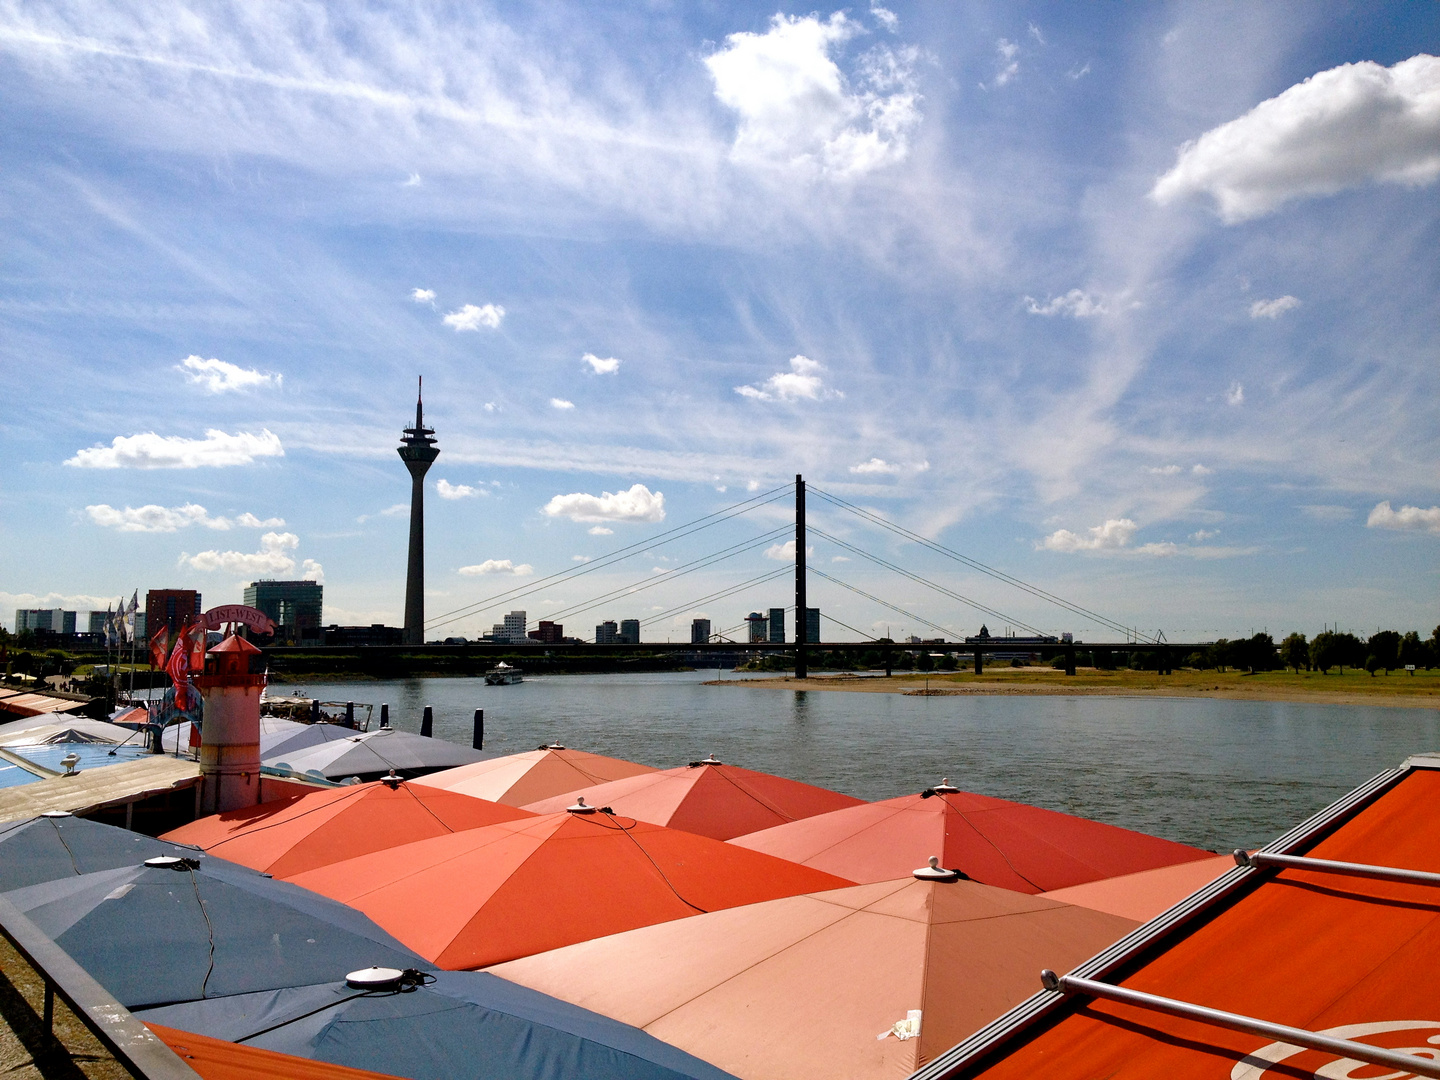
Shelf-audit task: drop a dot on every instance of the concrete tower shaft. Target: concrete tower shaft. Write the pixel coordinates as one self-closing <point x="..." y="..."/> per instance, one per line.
<point x="418" y="450"/>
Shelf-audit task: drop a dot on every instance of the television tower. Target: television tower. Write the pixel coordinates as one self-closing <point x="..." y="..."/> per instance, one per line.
<point x="418" y="450"/>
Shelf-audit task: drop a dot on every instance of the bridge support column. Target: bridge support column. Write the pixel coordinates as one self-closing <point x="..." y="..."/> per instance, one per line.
<point x="979" y="661"/>
<point x="802" y="667"/>
<point x="1070" y="661"/>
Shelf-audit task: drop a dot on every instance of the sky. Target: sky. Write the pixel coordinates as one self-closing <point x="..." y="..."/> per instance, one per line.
<point x="1135" y="303"/>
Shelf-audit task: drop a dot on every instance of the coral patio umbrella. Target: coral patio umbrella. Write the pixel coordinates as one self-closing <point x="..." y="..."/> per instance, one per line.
<point x="287" y="838"/>
<point x="1146" y="894"/>
<point x="822" y="986"/>
<point x="517" y="779"/>
<point x="709" y="798"/>
<point x="215" y="1059"/>
<point x="993" y="841"/>
<point x="453" y="1025"/>
<point x="486" y="895"/>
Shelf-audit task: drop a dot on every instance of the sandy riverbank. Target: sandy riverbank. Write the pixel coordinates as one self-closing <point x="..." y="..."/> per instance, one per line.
<point x="1398" y="690"/>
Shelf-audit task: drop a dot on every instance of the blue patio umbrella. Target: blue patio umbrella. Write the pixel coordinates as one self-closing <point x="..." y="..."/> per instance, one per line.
<point x="196" y="928"/>
<point x="59" y="845"/>
<point x="455" y="1025"/>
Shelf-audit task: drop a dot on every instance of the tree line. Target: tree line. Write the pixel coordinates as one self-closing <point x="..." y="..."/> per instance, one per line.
<point x="1385" y="650"/>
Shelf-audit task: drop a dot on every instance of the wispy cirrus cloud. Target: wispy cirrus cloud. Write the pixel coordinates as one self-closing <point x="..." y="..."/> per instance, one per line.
<point x="151" y="451"/>
<point x="221" y="376"/>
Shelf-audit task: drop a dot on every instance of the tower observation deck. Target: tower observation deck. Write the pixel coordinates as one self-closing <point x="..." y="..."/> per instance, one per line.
<point x="418" y="450"/>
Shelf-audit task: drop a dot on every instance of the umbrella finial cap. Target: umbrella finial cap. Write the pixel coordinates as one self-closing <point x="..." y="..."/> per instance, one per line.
<point x="580" y="807"/>
<point x="936" y="872"/>
<point x="392" y="781"/>
<point x="944" y="787"/>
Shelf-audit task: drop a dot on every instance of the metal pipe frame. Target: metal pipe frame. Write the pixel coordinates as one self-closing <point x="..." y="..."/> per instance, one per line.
<point x="1263" y="859"/>
<point x="134" y="1045"/>
<point x="1310" y="1040"/>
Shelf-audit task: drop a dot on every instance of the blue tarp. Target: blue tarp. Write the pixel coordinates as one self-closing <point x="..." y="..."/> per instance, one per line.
<point x="154" y="936"/>
<point x="47" y="848"/>
<point x="465" y="1025"/>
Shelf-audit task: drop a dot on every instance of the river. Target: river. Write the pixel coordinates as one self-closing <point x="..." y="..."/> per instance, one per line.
<point x="1213" y="773"/>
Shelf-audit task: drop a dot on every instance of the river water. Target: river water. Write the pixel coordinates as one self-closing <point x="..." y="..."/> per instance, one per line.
<point x="1213" y="773"/>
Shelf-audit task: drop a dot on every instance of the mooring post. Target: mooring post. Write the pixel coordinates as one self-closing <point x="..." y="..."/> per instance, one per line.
<point x="427" y="722"/>
<point x="314" y="710"/>
<point x="477" y="740"/>
<point x="350" y="714"/>
<point x="801" y="665"/>
<point x="385" y="714"/>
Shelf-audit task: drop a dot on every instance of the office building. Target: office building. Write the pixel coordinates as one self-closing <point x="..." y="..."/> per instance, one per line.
<point x="167" y="609"/>
<point x="548" y="633"/>
<point x="607" y="633"/>
<point x="758" y="626"/>
<point x="510" y="631"/>
<point x="50" y="619"/>
<point x="699" y="631"/>
<point x="812" y="625"/>
<point x="294" y="607"/>
<point x="141" y="631"/>
<point x="418" y="450"/>
<point x="776" y="625"/>
<point x="629" y="632"/>
<point x="374" y="634"/>
<point x="97" y="621"/>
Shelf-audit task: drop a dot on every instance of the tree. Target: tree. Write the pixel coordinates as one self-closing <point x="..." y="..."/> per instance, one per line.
<point x="948" y="662"/>
<point x="1220" y="654"/>
<point x="1256" y="653"/>
<point x="1412" y="651"/>
<point x="925" y="662"/>
<point x="1324" y="652"/>
<point x="1295" y="652"/>
<point x="1372" y="664"/>
<point x="1385" y="647"/>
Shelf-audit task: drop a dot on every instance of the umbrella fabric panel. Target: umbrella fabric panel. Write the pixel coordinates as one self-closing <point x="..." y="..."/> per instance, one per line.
<point x="329" y="826"/>
<point x="1310" y="950"/>
<point x="999" y="843"/>
<point x="45" y="849"/>
<point x="1144" y="895"/>
<point x="718" y="801"/>
<point x="492" y="894"/>
<point x="377" y="752"/>
<point x="214" y="1059"/>
<point x="802" y="986"/>
<point x="464" y="1025"/>
<point x="518" y="779"/>
<point x="153" y="935"/>
<point x="295" y="737"/>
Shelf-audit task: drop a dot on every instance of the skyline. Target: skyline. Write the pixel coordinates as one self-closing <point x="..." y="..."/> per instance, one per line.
<point x="1137" y="306"/>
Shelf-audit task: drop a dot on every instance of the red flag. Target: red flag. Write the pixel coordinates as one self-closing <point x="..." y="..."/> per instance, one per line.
<point x="179" y="669"/>
<point x="195" y="636"/>
<point x="159" y="648"/>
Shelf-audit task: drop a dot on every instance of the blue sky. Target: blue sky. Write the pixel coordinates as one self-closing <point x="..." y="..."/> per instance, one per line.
<point x="1136" y="303"/>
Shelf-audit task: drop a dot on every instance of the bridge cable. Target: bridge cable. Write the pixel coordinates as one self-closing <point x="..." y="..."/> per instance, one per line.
<point x="886" y="603"/>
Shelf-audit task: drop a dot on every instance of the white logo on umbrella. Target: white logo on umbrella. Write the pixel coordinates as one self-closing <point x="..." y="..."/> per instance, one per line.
<point x="1254" y="1066"/>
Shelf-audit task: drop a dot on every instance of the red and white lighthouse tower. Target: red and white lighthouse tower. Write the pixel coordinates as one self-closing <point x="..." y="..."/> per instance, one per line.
<point x="230" y="734"/>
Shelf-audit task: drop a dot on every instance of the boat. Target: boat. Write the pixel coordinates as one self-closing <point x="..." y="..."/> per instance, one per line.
<point x="503" y="674"/>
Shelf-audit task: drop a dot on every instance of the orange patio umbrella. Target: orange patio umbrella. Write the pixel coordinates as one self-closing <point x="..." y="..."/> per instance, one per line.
<point x="864" y="982"/>
<point x="517" y="779"/>
<point x="708" y="798"/>
<point x="993" y="841"/>
<point x="286" y="838"/>
<point x="1337" y="937"/>
<point x="1144" y="895"/>
<point x="216" y="1059"/>
<point x="487" y="895"/>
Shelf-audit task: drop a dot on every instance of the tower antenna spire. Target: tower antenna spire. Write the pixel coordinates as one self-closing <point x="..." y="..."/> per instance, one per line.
<point x="419" y="400"/>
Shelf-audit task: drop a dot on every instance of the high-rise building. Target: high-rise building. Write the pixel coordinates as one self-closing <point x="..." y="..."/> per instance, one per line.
<point x="699" y="631"/>
<point x="548" y="633"/>
<point x="51" y="619"/>
<point x="607" y="633"/>
<point x="629" y="632"/>
<point x="812" y="625"/>
<point x="169" y="608"/>
<point x="97" y="621"/>
<point x="141" y="631"/>
<point x="294" y="607"/>
<point x="776" y="625"/>
<point x="758" y="626"/>
<point x="418" y="450"/>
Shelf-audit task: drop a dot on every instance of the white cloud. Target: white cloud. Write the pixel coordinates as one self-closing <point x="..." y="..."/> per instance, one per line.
<point x="606" y="365"/>
<point x="413" y="180"/>
<point x="1006" y="66"/>
<point x="396" y="510"/>
<point x="1077" y="304"/>
<point x="885" y="17"/>
<point x="1036" y="34"/>
<point x="1407" y="517"/>
<point x="151" y="451"/>
<point x="579" y="558"/>
<point x="1201" y="535"/>
<point x="1200" y="470"/>
<point x="1163" y="470"/>
<point x="471" y="317"/>
<point x="313" y="572"/>
<point x="218" y="376"/>
<point x="156" y="519"/>
<point x="637" y="504"/>
<point x="1273" y="309"/>
<point x="1236" y="394"/>
<point x="561" y="404"/>
<point x="840" y="558"/>
<point x="875" y="467"/>
<point x="786" y="552"/>
<point x="1347" y="126"/>
<point x="1077" y="73"/>
<point x="796" y="107"/>
<point x="423" y="296"/>
<point x="801" y="381"/>
<point x="490" y="406"/>
<point x="273" y="557"/>
<point x="498" y="566"/>
<point x="1115" y="533"/>
<point x="600" y="530"/>
<point x="447" y="490"/>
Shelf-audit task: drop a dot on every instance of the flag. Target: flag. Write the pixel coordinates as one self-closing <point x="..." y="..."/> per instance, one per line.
<point x="130" y="610"/>
<point x="110" y="636"/>
<point x="195" y="637"/>
<point x="179" y="669"/>
<point x="159" y="647"/>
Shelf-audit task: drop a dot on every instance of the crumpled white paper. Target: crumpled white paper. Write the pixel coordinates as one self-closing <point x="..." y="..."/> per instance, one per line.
<point x="909" y="1028"/>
